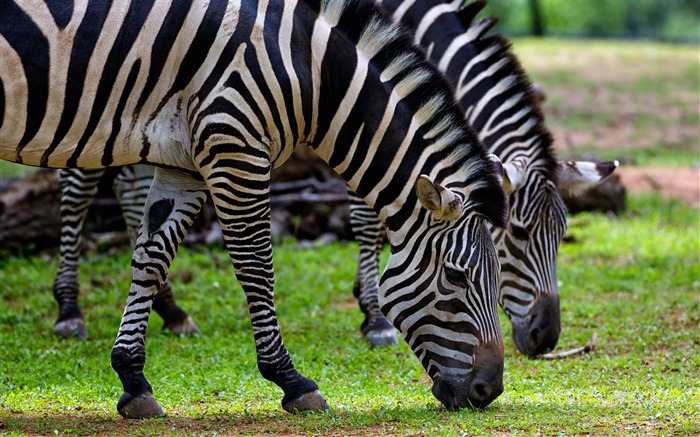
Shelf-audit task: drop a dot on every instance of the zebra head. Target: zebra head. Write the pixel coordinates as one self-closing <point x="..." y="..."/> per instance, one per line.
<point x="440" y="290"/>
<point x="529" y="293"/>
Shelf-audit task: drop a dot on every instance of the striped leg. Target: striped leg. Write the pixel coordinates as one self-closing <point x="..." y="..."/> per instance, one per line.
<point x="242" y="204"/>
<point x="367" y="227"/>
<point x="173" y="203"/>
<point x="78" y="188"/>
<point x="131" y="187"/>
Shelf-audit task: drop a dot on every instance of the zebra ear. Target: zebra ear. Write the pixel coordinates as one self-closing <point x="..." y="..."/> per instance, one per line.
<point x="578" y="176"/>
<point x="440" y="201"/>
<point x="497" y="164"/>
<point x="513" y="176"/>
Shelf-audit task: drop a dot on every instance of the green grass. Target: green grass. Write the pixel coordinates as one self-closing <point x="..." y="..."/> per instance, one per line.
<point x="10" y="169"/>
<point x="634" y="280"/>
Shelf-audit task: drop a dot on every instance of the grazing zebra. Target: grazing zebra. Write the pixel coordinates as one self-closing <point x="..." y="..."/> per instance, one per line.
<point x="78" y="189"/>
<point x="216" y="94"/>
<point x="495" y="95"/>
<point x="529" y="292"/>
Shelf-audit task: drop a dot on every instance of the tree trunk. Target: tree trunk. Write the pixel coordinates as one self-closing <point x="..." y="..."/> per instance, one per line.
<point x="308" y="200"/>
<point x="536" y="15"/>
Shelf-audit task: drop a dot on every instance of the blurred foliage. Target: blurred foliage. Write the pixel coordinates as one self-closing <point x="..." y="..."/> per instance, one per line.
<point x="667" y="20"/>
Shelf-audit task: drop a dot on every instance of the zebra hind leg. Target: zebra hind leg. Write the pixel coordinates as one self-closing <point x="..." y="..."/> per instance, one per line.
<point x="172" y="205"/>
<point x="78" y="189"/>
<point x="376" y="329"/>
<point x="131" y="187"/>
<point x="176" y="320"/>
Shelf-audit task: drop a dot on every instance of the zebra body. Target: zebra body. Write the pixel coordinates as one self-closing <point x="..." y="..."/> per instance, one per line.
<point x="218" y="93"/>
<point x="496" y="98"/>
<point x="438" y="25"/>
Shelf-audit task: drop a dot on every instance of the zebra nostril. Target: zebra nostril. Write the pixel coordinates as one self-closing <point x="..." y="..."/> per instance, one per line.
<point x="482" y="392"/>
<point x="479" y="390"/>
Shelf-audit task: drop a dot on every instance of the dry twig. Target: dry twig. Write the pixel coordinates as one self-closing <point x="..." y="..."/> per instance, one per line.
<point x="579" y="350"/>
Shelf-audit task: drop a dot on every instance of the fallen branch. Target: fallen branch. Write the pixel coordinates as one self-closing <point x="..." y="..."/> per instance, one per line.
<point x="327" y="186"/>
<point x="113" y="238"/>
<point x="579" y="350"/>
<point x="287" y="199"/>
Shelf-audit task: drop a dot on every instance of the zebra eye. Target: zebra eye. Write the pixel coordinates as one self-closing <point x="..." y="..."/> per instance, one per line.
<point x="455" y="277"/>
<point x="519" y="232"/>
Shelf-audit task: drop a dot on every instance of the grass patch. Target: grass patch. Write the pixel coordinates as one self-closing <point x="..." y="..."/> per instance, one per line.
<point x="10" y="169"/>
<point x="634" y="280"/>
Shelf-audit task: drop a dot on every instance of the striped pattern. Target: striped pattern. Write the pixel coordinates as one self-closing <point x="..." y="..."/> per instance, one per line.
<point x="78" y="189"/>
<point x="495" y="96"/>
<point x="218" y="93"/>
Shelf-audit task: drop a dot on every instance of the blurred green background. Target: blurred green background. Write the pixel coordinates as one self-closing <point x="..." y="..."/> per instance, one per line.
<point x="663" y="20"/>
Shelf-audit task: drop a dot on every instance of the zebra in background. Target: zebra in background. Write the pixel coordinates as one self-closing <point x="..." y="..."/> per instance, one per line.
<point x="496" y="97"/>
<point x="216" y="94"/>
<point x="78" y="189"/>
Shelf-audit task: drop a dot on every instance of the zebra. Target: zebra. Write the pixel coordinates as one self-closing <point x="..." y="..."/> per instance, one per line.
<point x="215" y="94"/>
<point x="536" y="322"/>
<point x="78" y="189"/>
<point x="496" y="97"/>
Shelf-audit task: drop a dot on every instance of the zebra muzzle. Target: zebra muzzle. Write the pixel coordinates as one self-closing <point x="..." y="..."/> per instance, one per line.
<point x="475" y="393"/>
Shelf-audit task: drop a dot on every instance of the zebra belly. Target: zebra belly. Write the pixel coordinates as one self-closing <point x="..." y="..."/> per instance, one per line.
<point x="164" y="141"/>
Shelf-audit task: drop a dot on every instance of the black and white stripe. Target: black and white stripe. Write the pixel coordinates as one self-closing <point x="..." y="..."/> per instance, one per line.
<point x="218" y="93"/>
<point x="78" y="189"/>
<point x="496" y="98"/>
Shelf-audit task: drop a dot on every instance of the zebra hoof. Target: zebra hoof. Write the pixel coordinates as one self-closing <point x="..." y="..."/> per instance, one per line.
<point x="143" y="406"/>
<point x="382" y="338"/>
<point x="71" y="328"/>
<point x="312" y="401"/>
<point x="183" y="327"/>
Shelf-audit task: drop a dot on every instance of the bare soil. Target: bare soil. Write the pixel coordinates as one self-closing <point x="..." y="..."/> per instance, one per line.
<point x="670" y="182"/>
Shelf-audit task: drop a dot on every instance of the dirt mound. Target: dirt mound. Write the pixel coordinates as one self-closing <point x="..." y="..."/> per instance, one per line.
<point x="681" y="183"/>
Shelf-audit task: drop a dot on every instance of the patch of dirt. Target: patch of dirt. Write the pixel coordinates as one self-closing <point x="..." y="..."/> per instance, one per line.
<point x="670" y="182"/>
<point x="224" y="425"/>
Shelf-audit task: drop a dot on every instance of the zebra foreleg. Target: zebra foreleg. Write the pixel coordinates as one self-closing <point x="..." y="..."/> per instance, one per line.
<point x="78" y="189"/>
<point x="243" y="209"/>
<point x="131" y="188"/>
<point x="173" y="203"/>
<point x="367" y="227"/>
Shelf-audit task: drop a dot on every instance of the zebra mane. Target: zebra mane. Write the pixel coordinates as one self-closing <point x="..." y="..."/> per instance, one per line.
<point x="422" y="88"/>
<point x="544" y="150"/>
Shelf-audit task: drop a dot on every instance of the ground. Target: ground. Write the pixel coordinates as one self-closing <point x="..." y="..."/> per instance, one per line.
<point x="681" y="183"/>
<point x="637" y="103"/>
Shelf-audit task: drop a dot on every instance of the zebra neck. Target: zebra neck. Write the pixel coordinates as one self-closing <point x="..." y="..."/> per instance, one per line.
<point x="358" y="124"/>
<point x="490" y="84"/>
<point x="382" y="117"/>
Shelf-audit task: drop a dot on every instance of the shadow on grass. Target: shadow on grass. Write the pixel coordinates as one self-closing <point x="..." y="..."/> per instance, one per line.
<point x="503" y="418"/>
<point x="272" y="422"/>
